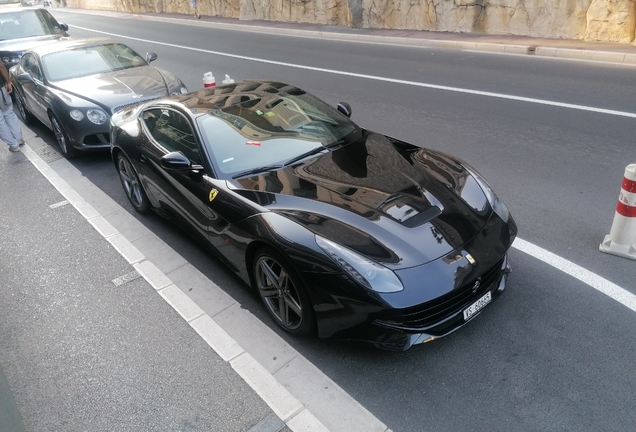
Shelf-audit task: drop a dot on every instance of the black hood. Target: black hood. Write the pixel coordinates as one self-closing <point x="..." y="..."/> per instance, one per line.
<point x="396" y="203"/>
<point x="118" y="88"/>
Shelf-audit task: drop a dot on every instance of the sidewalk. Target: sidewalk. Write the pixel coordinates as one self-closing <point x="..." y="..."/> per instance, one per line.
<point x="87" y="344"/>
<point x="559" y="48"/>
<point x="105" y="327"/>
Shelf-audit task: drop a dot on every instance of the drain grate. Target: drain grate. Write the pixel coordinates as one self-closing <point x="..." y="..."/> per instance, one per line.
<point x="49" y="154"/>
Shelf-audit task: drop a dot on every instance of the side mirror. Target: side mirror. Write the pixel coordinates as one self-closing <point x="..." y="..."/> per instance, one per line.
<point x="177" y="161"/>
<point x="24" y="78"/>
<point x="64" y="27"/>
<point x="344" y="108"/>
<point x="150" y="57"/>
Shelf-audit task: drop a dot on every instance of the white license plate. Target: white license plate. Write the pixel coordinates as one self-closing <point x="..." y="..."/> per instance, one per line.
<point x="477" y="306"/>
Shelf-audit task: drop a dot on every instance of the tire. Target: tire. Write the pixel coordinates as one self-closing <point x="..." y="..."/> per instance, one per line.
<point x="61" y="137"/>
<point x="27" y="117"/>
<point x="131" y="184"/>
<point x="283" y="292"/>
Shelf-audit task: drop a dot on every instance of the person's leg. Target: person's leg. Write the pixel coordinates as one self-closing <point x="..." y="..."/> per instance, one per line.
<point x="13" y="124"/>
<point x="5" y="132"/>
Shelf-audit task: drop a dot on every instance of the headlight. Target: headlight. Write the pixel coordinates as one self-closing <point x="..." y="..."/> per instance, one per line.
<point x="97" y="116"/>
<point x="495" y="202"/>
<point x="182" y="90"/>
<point x="11" y="60"/>
<point x="364" y="271"/>
<point x="76" y="114"/>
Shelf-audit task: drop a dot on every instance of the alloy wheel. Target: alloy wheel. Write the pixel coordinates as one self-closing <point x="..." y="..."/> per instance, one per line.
<point x="279" y="293"/>
<point x="132" y="185"/>
<point x="22" y="109"/>
<point x="59" y="135"/>
<point x="130" y="182"/>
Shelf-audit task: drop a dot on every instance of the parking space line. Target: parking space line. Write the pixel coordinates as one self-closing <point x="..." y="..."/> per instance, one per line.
<point x="593" y="280"/>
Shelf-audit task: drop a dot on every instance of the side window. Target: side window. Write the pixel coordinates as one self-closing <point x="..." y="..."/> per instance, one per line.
<point x="49" y="22"/>
<point x="173" y="132"/>
<point x="31" y="65"/>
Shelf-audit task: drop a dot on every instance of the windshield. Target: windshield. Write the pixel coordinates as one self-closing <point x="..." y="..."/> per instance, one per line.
<point x="272" y="130"/>
<point x="90" y="60"/>
<point x="27" y="23"/>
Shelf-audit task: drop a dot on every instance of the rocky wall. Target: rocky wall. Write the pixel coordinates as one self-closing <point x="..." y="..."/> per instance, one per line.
<point x="590" y="20"/>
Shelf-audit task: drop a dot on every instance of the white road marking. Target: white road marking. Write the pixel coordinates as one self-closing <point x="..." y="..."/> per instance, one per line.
<point x="379" y="78"/>
<point x="59" y="204"/>
<point x="593" y="280"/>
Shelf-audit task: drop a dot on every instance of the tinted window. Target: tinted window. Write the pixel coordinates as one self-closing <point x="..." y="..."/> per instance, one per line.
<point x="28" y="23"/>
<point x="30" y="64"/>
<point x="173" y="132"/>
<point x="91" y="60"/>
<point x="270" y="129"/>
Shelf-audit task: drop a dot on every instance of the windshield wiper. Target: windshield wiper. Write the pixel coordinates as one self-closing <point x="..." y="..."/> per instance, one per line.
<point x="257" y="170"/>
<point x="314" y="151"/>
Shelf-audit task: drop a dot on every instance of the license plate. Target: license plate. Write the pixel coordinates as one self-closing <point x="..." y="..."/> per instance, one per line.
<point x="477" y="306"/>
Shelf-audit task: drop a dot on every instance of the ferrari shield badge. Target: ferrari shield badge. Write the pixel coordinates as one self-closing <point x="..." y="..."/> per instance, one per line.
<point x="213" y="193"/>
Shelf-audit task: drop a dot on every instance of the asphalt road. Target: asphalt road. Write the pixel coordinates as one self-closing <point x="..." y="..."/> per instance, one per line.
<point x="553" y="353"/>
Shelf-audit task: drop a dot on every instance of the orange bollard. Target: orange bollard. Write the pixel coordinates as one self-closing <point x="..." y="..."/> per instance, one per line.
<point x="621" y="240"/>
<point x="208" y="80"/>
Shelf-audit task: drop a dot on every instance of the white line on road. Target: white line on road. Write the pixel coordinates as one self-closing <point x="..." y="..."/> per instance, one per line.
<point x="384" y="79"/>
<point x="608" y="288"/>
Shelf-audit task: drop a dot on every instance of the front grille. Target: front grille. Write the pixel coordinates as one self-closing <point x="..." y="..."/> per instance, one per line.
<point x="96" y="139"/>
<point x="437" y="311"/>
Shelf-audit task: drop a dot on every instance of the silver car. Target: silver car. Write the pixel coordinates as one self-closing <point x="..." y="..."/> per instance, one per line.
<point x="75" y="86"/>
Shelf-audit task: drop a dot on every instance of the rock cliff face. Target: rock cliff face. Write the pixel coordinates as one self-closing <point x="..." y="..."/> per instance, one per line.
<point x="591" y="20"/>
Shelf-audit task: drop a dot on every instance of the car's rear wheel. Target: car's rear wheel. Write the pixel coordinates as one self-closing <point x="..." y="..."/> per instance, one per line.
<point x="61" y="137"/>
<point x="283" y="292"/>
<point x="27" y="117"/>
<point x="131" y="184"/>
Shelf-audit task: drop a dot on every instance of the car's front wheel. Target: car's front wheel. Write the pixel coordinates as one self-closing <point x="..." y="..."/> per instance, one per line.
<point x="61" y="137"/>
<point x="131" y="184"/>
<point x="283" y="292"/>
<point x="27" y="117"/>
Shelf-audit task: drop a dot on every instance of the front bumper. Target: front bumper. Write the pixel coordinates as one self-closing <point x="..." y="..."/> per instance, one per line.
<point x="398" y="330"/>
<point x="88" y="137"/>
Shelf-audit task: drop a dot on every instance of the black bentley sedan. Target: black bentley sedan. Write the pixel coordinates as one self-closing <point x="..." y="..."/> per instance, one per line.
<point x="74" y="86"/>
<point x="341" y="230"/>
<point x="23" y="29"/>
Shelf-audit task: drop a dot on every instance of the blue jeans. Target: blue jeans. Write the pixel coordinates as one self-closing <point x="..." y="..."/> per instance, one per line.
<point x="10" y="131"/>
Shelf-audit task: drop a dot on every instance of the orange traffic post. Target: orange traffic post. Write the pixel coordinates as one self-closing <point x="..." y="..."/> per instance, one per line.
<point x="621" y="240"/>
<point x="208" y="80"/>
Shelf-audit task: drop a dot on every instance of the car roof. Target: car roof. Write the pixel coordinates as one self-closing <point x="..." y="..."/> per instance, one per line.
<point x="7" y="11"/>
<point x="69" y="44"/>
